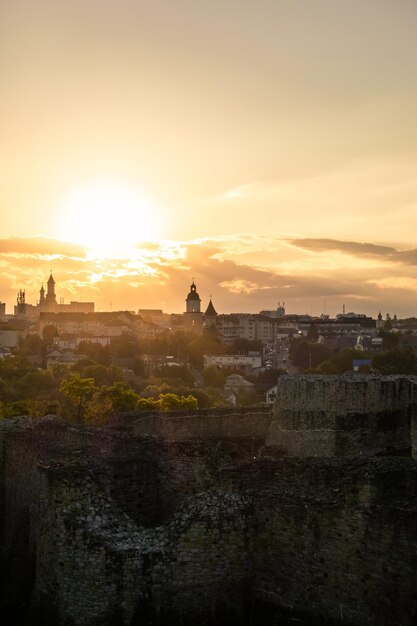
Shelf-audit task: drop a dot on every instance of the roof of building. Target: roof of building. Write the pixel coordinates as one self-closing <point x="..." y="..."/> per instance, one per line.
<point x="210" y="309"/>
<point x="51" y="279"/>
<point x="236" y="380"/>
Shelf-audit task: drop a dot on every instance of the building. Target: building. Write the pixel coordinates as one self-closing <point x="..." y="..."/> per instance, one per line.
<point x="246" y="364"/>
<point x="48" y="304"/>
<point x="210" y="316"/>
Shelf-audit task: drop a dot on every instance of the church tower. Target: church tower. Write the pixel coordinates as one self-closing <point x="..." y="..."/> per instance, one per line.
<point x="193" y="300"/>
<point x="50" y="296"/>
<point x="210" y="316"/>
<point x="41" y="295"/>
<point x="193" y="317"/>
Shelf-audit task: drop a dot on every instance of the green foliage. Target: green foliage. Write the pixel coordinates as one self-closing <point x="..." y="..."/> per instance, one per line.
<point x="125" y="346"/>
<point x="399" y="361"/>
<point x="31" y="345"/>
<point x="390" y="339"/>
<point x="243" y="346"/>
<point x="49" y="333"/>
<point x="168" y="402"/>
<point x="312" y="334"/>
<point x="307" y="355"/>
<point x="107" y="401"/>
<point x="338" y="363"/>
<point x="79" y="391"/>
<point x="96" y="352"/>
<point x="13" y="409"/>
<point x="36" y="384"/>
<point x="213" y="377"/>
<point x="147" y="404"/>
<point x="180" y="373"/>
<point x="102" y="375"/>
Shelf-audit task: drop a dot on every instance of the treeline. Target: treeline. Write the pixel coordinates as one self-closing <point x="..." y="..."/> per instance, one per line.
<point x="317" y="358"/>
<point x="185" y="346"/>
<point x="25" y="390"/>
<point x="28" y="388"/>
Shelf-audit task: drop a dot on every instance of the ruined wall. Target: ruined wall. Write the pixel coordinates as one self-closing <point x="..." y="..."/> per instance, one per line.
<point x="238" y="424"/>
<point x="335" y="540"/>
<point x="101" y="526"/>
<point x="122" y="528"/>
<point x="342" y="416"/>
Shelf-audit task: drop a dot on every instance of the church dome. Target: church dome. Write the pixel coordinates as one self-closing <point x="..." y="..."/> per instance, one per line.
<point x="193" y="295"/>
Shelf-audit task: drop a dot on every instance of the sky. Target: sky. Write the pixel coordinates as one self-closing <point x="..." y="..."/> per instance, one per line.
<point x="268" y="149"/>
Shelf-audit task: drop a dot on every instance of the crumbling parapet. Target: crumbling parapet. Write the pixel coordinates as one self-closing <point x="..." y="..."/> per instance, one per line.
<point x="342" y="416"/>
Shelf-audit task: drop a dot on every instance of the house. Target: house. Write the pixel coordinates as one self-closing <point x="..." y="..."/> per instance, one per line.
<point x="236" y="362"/>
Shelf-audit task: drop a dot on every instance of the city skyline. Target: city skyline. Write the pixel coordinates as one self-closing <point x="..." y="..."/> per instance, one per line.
<point x="146" y="143"/>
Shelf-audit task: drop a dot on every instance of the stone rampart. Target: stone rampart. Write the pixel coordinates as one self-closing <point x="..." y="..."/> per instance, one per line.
<point x="106" y="526"/>
<point x="342" y="415"/>
<point x="230" y="424"/>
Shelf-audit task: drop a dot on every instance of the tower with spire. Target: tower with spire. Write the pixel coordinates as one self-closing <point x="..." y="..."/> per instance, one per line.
<point x="50" y="296"/>
<point x="193" y="317"/>
<point x="210" y="315"/>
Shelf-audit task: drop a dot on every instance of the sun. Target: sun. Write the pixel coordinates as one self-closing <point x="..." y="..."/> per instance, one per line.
<point x="108" y="217"/>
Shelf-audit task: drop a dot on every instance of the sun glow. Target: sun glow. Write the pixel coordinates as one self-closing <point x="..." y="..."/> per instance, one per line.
<point x="108" y="218"/>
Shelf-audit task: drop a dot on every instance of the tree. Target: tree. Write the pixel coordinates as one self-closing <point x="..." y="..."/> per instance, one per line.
<point x="338" y="363"/>
<point x="79" y="391"/>
<point x="106" y="401"/>
<point x="390" y="339"/>
<point x="306" y="355"/>
<point x="49" y="333"/>
<point x="400" y="361"/>
<point x="213" y="377"/>
<point x="388" y="323"/>
<point x="95" y="351"/>
<point x="312" y="334"/>
<point x="172" y="402"/>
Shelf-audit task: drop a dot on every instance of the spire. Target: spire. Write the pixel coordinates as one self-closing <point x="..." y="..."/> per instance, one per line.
<point x="210" y="311"/>
<point x="50" y="296"/>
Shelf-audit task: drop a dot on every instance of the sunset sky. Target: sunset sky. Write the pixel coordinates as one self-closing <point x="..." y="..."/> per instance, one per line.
<point x="268" y="148"/>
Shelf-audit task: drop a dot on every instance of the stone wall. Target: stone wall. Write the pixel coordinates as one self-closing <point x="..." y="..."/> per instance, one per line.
<point x="101" y="526"/>
<point x="335" y="540"/>
<point x="342" y="416"/>
<point x="114" y="529"/>
<point x="221" y="424"/>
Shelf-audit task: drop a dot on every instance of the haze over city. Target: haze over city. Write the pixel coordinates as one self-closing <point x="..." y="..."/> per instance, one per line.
<point x="268" y="149"/>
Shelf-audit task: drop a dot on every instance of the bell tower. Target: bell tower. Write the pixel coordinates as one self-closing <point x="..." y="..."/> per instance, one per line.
<point x="193" y="301"/>
<point x="193" y="317"/>
<point x="50" y="295"/>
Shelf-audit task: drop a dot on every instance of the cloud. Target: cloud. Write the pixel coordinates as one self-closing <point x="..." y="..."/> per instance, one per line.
<point x="241" y="273"/>
<point x="40" y="246"/>
<point x="358" y="249"/>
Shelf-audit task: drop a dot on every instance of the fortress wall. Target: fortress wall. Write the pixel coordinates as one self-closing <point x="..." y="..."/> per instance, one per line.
<point x="342" y="415"/>
<point x="100" y="526"/>
<point x="233" y="424"/>
<point x="119" y="527"/>
<point x="336" y="541"/>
